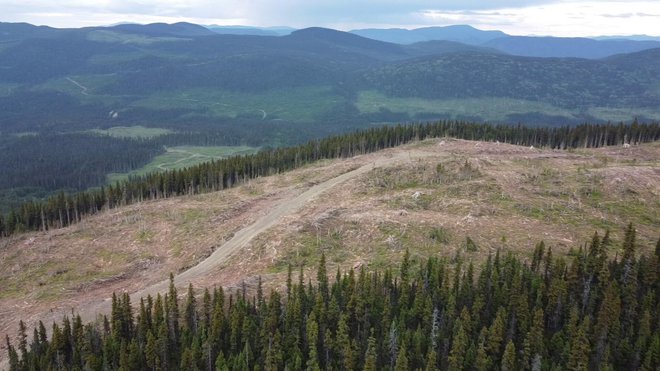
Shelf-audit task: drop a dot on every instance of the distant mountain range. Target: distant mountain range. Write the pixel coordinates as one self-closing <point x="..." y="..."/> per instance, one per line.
<point x="184" y="77"/>
<point x="529" y="46"/>
<point x="249" y="30"/>
<point x="460" y="33"/>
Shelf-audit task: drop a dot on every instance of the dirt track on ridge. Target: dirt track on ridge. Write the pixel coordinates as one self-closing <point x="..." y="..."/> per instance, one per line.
<point x="240" y="239"/>
<point x="288" y="206"/>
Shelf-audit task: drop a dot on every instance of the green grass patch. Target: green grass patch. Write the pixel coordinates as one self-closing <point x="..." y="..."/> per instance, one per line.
<point x="134" y="132"/>
<point x="638" y="211"/>
<point x="183" y="156"/>
<point x="145" y="235"/>
<point x="497" y="109"/>
<point x="293" y="104"/>
<point x="176" y="249"/>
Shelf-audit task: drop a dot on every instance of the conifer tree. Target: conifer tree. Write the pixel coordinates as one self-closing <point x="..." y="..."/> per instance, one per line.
<point x="458" y="348"/>
<point x="509" y="357"/>
<point x="322" y="278"/>
<point x="343" y="344"/>
<point x="370" y="357"/>
<point x="14" y="361"/>
<point x="495" y="338"/>
<point x="533" y="344"/>
<point x="580" y="348"/>
<point x="482" y="361"/>
<point x="313" y="340"/>
<point x="190" y="311"/>
<point x="401" y="361"/>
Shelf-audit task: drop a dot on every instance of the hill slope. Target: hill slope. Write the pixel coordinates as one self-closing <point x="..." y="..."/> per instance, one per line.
<point x="428" y="196"/>
<point x="529" y="46"/>
<point x="567" y="83"/>
<point x="564" y="47"/>
<point x="188" y="78"/>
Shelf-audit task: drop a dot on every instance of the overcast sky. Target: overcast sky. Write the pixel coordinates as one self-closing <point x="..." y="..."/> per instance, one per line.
<point x="538" y="17"/>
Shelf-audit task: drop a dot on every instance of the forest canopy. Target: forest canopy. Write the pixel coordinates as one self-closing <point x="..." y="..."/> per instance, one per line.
<point x="588" y="311"/>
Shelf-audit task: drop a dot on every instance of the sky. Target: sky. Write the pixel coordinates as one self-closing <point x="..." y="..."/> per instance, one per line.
<point x="516" y="17"/>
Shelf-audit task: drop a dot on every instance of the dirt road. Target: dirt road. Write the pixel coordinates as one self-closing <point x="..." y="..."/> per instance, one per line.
<point x="83" y="88"/>
<point x="243" y="236"/>
<point x="287" y="207"/>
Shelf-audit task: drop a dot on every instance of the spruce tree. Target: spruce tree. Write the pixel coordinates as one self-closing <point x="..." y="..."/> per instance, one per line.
<point x="370" y="357"/>
<point x="458" y="348"/>
<point x="312" y="340"/>
<point x="509" y="357"/>
<point x="401" y="361"/>
<point x="580" y="348"/>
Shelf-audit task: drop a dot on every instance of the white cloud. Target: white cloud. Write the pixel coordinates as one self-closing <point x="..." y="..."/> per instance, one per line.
<point x="568" y="18"/>
<point x="554" y="17"/>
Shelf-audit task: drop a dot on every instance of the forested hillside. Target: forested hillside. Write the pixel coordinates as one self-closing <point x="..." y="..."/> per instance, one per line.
<point x="531" y="46"/>
<point x="585" y="312"/>
<point x="175" y="75"/>
<point x="569" y="83"/>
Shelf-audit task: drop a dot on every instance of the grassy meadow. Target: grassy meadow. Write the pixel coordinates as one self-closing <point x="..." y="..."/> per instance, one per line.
<point x="180" y="157"/>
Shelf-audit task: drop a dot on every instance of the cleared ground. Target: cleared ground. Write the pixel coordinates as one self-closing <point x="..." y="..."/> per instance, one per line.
<point x="428" y="196"/>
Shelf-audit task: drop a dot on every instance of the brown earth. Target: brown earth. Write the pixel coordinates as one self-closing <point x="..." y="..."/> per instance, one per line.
<point x="427" y="196"/>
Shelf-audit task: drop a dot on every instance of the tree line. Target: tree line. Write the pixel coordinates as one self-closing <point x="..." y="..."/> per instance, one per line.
<point x="64" y="209"/>
<point x="585" y="311"/>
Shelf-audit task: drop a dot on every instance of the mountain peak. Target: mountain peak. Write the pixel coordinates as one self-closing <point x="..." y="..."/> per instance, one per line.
<point x="318" y="32"/>
<point x="330" y="35"/>
<point x="166" y="29"/>
<point x="459" y="33"/>
<point x="343" y="40"/>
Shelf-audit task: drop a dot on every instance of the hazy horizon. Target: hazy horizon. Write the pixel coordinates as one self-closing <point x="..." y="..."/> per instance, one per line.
<point x="516" y="17"/>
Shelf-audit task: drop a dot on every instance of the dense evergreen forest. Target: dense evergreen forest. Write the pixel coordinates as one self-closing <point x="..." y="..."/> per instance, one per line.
<point x="64" y="209"/>
<point x="38" y="165"/>
<point x="583" y="312"/>
<point x="71" y="161"/>
<point x="78" y="161"/>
